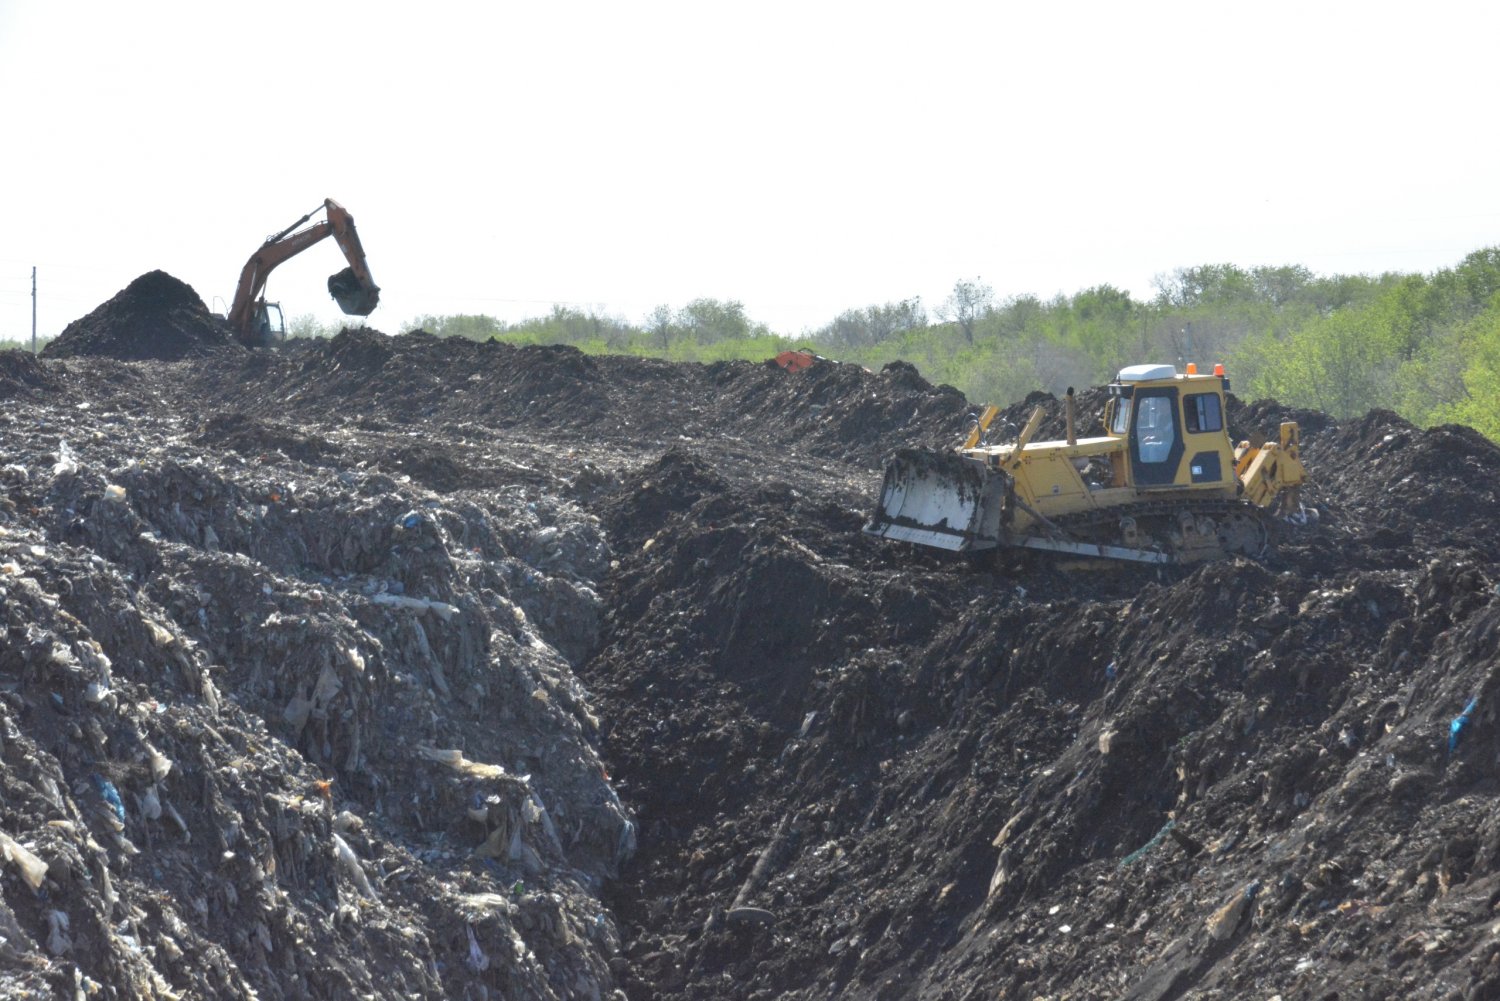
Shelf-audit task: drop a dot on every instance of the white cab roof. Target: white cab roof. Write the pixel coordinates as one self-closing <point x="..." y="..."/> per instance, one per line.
<point x="1142" y="373"/>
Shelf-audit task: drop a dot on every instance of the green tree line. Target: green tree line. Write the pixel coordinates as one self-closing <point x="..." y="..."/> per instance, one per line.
<point x="1425" y="345"/>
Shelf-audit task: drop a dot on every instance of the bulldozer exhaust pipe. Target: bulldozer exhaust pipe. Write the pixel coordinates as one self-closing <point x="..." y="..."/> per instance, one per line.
<point x="1071" y="413"/>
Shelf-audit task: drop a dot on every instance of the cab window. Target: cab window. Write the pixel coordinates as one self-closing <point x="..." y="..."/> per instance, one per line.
<point x="1203" y="413"/>
<point x="1121" y="423"/>
<point x="1154" y="429"/>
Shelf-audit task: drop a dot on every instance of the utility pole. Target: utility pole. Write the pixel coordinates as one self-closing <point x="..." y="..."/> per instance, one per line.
<point x="33" y="309"/>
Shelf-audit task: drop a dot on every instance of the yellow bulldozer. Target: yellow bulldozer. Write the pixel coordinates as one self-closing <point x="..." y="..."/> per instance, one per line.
<point x="1163" y="485"/>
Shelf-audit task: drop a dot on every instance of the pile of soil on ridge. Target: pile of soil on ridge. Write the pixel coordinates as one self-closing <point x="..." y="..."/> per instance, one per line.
<point x="21" y="373"/>
<point x="829" y="410"/>
<point x="1423" y="488"/>
<point x="155" y="317"/>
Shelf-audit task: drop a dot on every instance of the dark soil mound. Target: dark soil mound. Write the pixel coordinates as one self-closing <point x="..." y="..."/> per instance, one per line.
<point x="1267" y="416"/>
<point x="830" y="410"/>
<point x="255" y="437"/>
<point x="841" y="411"/>
<point x="155" y="317"/>
<point x="22" y="373"/>
<point x="1423" y="488"/>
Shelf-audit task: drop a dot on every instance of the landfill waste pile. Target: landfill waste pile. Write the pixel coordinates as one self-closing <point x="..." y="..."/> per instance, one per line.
<point x="154" y="317"/>
<point x="399" y="667"/>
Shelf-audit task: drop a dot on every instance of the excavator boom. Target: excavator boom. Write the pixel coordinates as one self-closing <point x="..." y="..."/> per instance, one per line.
<point x="353" y="288"/>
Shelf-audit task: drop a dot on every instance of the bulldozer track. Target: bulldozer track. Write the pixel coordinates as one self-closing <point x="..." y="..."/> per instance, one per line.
<point x="1241" y="527"/>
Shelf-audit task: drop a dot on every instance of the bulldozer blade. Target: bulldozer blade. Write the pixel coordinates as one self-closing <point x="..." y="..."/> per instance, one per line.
<point x="353" y="297"/>
<point x="933" y="498"/>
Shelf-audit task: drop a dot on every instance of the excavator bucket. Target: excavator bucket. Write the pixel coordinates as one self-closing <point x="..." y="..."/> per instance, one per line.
<point x="353" y="296"/>
<point x="936" y="498"/>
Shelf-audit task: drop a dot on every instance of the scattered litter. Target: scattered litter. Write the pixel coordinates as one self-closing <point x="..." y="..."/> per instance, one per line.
<point x="58" y="926"/>
<point x="111" y="796"/>
<point x="33" y="869"/>
<point x="455" y="760"/>
<point x="442" y="609"/>
<point x="750" y="915"/>
<point x="67" y="462"/>
<point x="350" y="863"/>
<point x="476" y="961"/>
<point x="1156" y="839"/>
<point x="1459" y="724"/>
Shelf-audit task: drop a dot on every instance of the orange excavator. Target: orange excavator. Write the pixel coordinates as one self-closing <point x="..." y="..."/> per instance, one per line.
<point x="352" y="288"/>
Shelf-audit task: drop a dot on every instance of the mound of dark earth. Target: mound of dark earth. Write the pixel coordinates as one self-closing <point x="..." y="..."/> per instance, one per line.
<point x="407" y="667"/>
<point x="830" y="410"/>
<point x="155" y="317"/>
<point x="22" y="374"/>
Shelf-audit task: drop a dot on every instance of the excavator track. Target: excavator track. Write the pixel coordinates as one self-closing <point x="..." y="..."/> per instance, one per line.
<point x="1163" y="532"/>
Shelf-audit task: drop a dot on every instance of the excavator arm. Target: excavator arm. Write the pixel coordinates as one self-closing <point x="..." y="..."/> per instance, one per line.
<point x="353" y="288"/>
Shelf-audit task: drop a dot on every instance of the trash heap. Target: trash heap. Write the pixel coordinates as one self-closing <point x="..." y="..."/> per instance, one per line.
<point x="406" y="667"/>
<point x="279" y="731"/>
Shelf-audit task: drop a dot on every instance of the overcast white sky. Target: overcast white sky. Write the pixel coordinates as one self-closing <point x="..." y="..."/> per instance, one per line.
<point x="802" y="158"/>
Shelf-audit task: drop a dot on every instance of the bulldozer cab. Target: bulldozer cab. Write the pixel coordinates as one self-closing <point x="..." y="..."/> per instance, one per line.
<point x="1173" y="426"/>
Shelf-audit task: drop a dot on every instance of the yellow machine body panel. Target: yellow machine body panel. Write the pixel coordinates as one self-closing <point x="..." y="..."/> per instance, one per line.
<point x="1184" y="447"/>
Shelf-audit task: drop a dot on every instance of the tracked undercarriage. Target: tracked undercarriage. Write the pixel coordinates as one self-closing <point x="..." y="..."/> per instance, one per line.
<point x="1162" y="533"/>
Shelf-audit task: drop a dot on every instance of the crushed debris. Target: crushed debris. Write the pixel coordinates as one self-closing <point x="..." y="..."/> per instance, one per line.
<point x="401" y="667"/>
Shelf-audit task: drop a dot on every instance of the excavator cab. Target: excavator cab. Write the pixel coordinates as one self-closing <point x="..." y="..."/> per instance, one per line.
<point x="270" y="324"/>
